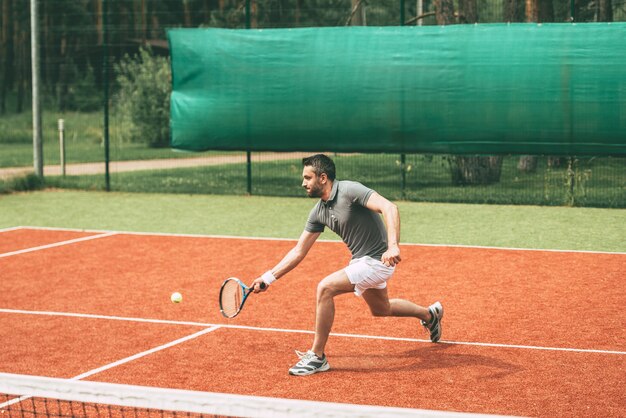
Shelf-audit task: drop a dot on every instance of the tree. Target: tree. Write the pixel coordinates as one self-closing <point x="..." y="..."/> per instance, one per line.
<point x="476" y="170"/>
<point x="536" y="11"/>
<point x="444" y="12"/>
<point x="6" y="53"/>
<point x="468" y="11"/>
<point x="357" y="15"/>
<point x="144" y="97"/>
<point x="513" y="10"/>
<point x="605" y="11"/>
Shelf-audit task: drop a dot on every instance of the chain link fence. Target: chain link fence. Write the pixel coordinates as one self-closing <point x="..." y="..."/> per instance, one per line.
<point x="95" y="53"/>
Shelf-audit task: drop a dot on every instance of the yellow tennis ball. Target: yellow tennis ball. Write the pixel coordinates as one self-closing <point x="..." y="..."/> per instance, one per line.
<point x="176" y="297"/>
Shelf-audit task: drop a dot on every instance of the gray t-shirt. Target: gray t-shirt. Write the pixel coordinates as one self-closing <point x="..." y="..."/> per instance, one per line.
<point x="345" y="213"/>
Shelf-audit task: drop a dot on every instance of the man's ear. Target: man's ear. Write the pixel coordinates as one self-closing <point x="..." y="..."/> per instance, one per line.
<point x="323" y="178"/>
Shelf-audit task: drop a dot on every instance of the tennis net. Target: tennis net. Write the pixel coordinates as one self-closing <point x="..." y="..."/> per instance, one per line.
<point x="34" y="396"/>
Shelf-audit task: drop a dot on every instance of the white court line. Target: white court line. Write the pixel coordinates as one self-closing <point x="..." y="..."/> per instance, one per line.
<point x="11" y="228"/>
<point x="296" y="331"/>
<point x="57" y="244"/>
<point x="145" y="353"/>
<point x="168" y="234"/>
<point x="126" y="360"/>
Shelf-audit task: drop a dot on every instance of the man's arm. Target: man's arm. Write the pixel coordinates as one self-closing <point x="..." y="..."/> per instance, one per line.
<point x="292" y="258"/>
<point x="390" y="212"/>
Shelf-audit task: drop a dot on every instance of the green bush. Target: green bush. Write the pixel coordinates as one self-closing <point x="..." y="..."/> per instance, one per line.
<point x="22" y="183"/>
<point x="143" y="100"/>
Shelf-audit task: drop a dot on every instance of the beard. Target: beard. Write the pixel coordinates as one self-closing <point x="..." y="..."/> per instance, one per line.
<point x="315" y="190"/>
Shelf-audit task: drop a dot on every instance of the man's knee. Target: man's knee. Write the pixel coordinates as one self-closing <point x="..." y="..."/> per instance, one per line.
<point x="333" y="285"/>
<point x="324" y="290"/>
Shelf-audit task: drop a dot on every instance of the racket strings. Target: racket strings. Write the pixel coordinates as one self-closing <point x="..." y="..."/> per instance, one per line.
<point x="230" y="298"/>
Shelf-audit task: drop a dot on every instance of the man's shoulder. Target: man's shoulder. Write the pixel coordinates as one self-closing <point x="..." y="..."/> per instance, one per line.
<point x="350" y="185"/>
<point x="353" y="188"/>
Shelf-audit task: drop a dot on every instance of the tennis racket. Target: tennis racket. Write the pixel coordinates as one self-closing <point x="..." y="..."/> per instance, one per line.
<point x="233" y="295"/>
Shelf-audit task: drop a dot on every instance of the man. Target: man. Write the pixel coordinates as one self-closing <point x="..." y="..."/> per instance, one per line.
<point x="353" y="212"/>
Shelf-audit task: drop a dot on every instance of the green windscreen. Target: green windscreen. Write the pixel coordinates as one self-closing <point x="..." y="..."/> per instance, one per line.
<point x="463" y="89"/>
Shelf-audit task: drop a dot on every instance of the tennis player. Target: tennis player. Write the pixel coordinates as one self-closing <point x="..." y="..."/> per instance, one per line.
<point x="353" y="212"/>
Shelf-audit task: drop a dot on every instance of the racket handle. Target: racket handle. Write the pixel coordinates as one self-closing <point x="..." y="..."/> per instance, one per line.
<point x="262" y="285"/>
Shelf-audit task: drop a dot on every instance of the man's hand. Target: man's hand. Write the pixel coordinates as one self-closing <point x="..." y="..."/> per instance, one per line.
<point x="391" y="257"/>
<point x="256" y="285"/>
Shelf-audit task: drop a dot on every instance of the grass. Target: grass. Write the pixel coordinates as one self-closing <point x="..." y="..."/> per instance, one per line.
<point x="83" y="140"/>
<point x="598" y="182"/>
<point x="593" y="182"/>
<point x="25" y="183"/>
<point x="282" y="217"/>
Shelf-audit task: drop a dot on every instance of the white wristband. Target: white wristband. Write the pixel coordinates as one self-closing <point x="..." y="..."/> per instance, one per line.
<point x="268" y="278"/>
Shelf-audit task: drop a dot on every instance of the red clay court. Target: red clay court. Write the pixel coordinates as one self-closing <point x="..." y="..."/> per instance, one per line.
<point x="525" y="332"/>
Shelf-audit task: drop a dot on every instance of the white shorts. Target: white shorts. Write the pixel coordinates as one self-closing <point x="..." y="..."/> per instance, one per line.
<point x="368" y="273"/>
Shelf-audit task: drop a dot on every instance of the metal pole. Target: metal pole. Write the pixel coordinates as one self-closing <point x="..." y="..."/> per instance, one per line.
<point x="248" y="17"/>
<point x="105" y="72"/>
<point x="35" y="69"/>
<point x="402" y="156"/>
<point x="248" y="153"/>
<point x="62" y="145"/>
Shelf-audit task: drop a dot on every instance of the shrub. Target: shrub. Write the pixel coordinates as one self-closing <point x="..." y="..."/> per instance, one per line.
<point x="143" y="100"/>
<point x="21" y="183"/>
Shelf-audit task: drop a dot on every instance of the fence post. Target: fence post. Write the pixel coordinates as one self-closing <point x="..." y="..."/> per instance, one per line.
<point x="402" y="156"/>
<point x="35" y="68"/>
<point x="248" y="153"/>
<point x="105" y="70"/>
<point x="62" y="146"/>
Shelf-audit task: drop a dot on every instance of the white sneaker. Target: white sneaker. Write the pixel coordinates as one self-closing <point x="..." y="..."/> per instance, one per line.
<point x="309" y="363"/>
<point x="434" y="326"/>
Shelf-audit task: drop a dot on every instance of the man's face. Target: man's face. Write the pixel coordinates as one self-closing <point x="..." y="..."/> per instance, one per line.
<point x="312" y="182"/>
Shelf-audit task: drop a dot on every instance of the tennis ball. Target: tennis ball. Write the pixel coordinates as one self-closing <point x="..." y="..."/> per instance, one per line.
<point x="176" y="297"/>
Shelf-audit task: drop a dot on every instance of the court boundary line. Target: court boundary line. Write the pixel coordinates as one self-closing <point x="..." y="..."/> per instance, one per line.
<point x="182" y="235"/>
<point x="11" y="228"/>
<point x="146" y="352"/>
<point x="58" y="244"/>
<point x="296" y="331"/>
<point x="125" y="360"/>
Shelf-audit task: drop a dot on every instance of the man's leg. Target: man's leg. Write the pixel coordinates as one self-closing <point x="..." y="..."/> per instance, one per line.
<point x="314" y="360"/>
<point x="331" y="286"/>
<point x="380" y="305"/>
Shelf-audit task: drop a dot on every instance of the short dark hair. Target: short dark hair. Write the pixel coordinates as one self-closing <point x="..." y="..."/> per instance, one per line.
<point x="321" y="164"/>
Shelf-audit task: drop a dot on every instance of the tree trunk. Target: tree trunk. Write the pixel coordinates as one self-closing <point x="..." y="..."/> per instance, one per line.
<point x="541" y="11"/>
<point x="531" y="10"/>
<point x="476" y="170"/>
<point x="99" y="20"/>
<point x="444" y="12"/>
<point x="545" y="11"/>
<point x="297" y="14"/>
<point x="7" y="52"/>
<point x="144" y="21"/>
<point x="156" y="24"/>
<point x="187" y="13"/>
<point x="605" y="11"/>
<point x="513" y="11"/>
<point x="468" y="11"/>
<point x="254" y="14"/>
<point x="357" y="17"/>
<point x="22" y="63"/>
<point x="536" y="11"/>
<point x="527" y="164"/>
<point x="555" y="162"/>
